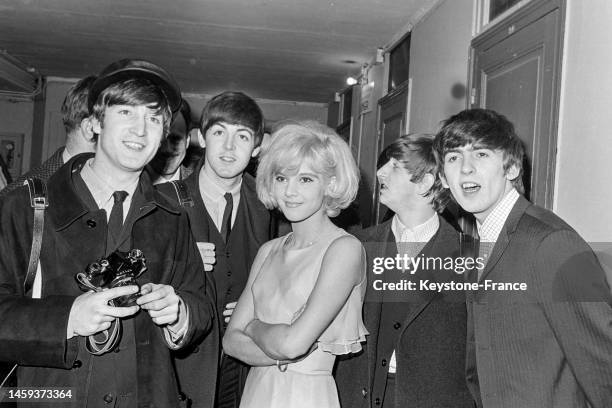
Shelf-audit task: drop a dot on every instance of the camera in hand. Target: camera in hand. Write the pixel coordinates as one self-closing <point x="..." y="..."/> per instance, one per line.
<point x="117" y="269"/>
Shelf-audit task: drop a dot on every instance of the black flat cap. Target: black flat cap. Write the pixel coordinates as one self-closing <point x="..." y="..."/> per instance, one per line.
<point x="130" y="68"/>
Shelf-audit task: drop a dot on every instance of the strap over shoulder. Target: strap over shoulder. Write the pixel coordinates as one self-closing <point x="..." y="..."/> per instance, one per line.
<point x="182" y="193"/>
<point x="39" y="202"/>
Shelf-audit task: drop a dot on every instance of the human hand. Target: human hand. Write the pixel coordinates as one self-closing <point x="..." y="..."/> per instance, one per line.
<point x="160" y="302"/>
<point x="90" y="312"/>
<point x="207" y="252"/>
<point x="228" y="311"/>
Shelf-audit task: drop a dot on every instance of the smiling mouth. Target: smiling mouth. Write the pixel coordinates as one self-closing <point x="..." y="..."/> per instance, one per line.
<point x="134" y="145"/>
<point x="292" y="205"/>
<point x="470" y="187"/>
<point x="227" y="159"/>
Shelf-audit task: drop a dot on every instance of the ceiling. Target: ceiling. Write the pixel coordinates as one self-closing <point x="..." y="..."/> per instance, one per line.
<point x="296" y="50"/>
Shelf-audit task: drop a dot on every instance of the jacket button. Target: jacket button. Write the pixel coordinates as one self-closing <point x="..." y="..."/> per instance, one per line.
<point x="182" y="396"/>
<point x="384" y="362"/>
<point x="377" y="401"/>
<point x="227" y="254"/>
<point x="91" y="223"/>
<point x="196" y="350"/>
<point x="108" y="398"/>
<point x="77" y="364"/>
<point x="229" y="273"/>
<point x="117" y="349"/>
<point x="364" y="392"/>
<point x="397" y="325"/>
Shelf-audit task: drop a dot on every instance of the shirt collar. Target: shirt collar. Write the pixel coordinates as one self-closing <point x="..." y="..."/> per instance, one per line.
<point x="421" y="233"/>
<point x="100" y="190"/>
<point x="212" y="190"/>
<point x="491" y="227"/>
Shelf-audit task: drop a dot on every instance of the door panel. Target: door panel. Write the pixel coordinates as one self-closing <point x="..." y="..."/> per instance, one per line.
<point x="516" y="70"/>
<point x="392" y="120"/>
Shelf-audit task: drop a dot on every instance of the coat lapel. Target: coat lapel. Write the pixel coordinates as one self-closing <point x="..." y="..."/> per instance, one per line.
<point x="437" y="245"/>
<point x="505" y="234"/>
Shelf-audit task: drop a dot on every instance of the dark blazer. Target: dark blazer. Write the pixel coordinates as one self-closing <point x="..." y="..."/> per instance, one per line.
<point x="551" y="345"/>
<point x="33" y="331"/>
<point x="197" y="366"/>
<point x="427" y="330"/>
<point x="42" y="172"/>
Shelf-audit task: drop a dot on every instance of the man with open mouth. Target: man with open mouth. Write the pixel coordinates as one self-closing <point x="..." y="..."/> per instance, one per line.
<point x="550" y="343"/>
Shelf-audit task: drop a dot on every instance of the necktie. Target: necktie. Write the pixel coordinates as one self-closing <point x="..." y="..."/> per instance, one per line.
<point x="226" y="223"/>
<point x="115" y="221"/>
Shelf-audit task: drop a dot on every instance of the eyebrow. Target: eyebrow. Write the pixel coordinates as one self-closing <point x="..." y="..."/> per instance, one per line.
<point x="240" y="127"/>
<point x="313" y="175"/>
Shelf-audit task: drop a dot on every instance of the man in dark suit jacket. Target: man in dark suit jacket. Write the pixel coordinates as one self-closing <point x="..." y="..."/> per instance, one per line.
<point x="540" y="321"/>
<point x="230" y="224"/>
<point x="415" y="353"/>
<point x="79" y="135"/>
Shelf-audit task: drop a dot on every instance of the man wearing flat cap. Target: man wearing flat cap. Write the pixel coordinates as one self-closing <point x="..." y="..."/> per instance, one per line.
<point x="107" y="344"/>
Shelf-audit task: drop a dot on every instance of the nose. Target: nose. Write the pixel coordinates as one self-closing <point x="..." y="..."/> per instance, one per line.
<point x="290" y="190"/>
<point x="467" y="165"/>
<point x="229" y="141"/>
<point x="139" y="125"/>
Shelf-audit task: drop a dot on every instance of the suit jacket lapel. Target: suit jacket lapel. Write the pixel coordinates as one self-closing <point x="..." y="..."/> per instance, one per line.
<point x="436" y="245"/>
<point x="505" y="235"/>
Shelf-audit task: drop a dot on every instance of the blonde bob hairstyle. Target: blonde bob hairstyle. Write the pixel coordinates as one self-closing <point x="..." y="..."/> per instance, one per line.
<point x="296" y="142"/>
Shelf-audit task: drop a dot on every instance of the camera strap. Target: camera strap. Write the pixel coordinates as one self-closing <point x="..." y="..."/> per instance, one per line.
<point x="39" y="202"/>
<point x="182" y="193"/>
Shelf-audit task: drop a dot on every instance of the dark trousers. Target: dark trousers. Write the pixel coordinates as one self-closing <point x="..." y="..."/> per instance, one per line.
<point x="231" y="382"/>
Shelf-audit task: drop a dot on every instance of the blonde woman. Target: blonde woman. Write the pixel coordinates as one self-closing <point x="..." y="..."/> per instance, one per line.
<point x="302" y="303"/>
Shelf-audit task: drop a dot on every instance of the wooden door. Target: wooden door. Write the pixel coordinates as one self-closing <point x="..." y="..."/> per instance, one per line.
<point x="392" y="111"/>
<point x="516" y="71"/>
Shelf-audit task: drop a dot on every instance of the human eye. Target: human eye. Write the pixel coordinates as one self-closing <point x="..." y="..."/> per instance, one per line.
<point x="244" y="136"/>
<point x="306" y="179"/>
<point x="124" y="111"/>
<point x="279" y="178"/>
<point x="451" y="158"/>
<point x="481" y="154"/>
<point x="157" y="119"/>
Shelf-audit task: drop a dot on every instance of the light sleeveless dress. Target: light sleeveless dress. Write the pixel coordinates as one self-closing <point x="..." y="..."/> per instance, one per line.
<point x="280" y="292"/>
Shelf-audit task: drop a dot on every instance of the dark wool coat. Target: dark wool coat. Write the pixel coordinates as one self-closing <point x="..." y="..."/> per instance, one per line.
<point x="33" y="331"/>
<point x="427" y="330"/>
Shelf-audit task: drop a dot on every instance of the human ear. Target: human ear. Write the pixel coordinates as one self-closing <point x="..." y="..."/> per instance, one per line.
<point x="331" y="186"/>
<point x="512" y="172"/>
<point x="87" y="130"/>
<point x="96" y="126"/>
<point x="426" y="183"/>
<point x="443" y="180"/>
<point x="201" y="139"/>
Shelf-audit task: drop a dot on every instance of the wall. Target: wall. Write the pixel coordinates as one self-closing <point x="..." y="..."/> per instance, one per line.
<point x="54" y="133"/>
<point x="583" y="193"/>
<point x="16" y="115"/>
<point x="439" y="52"/>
